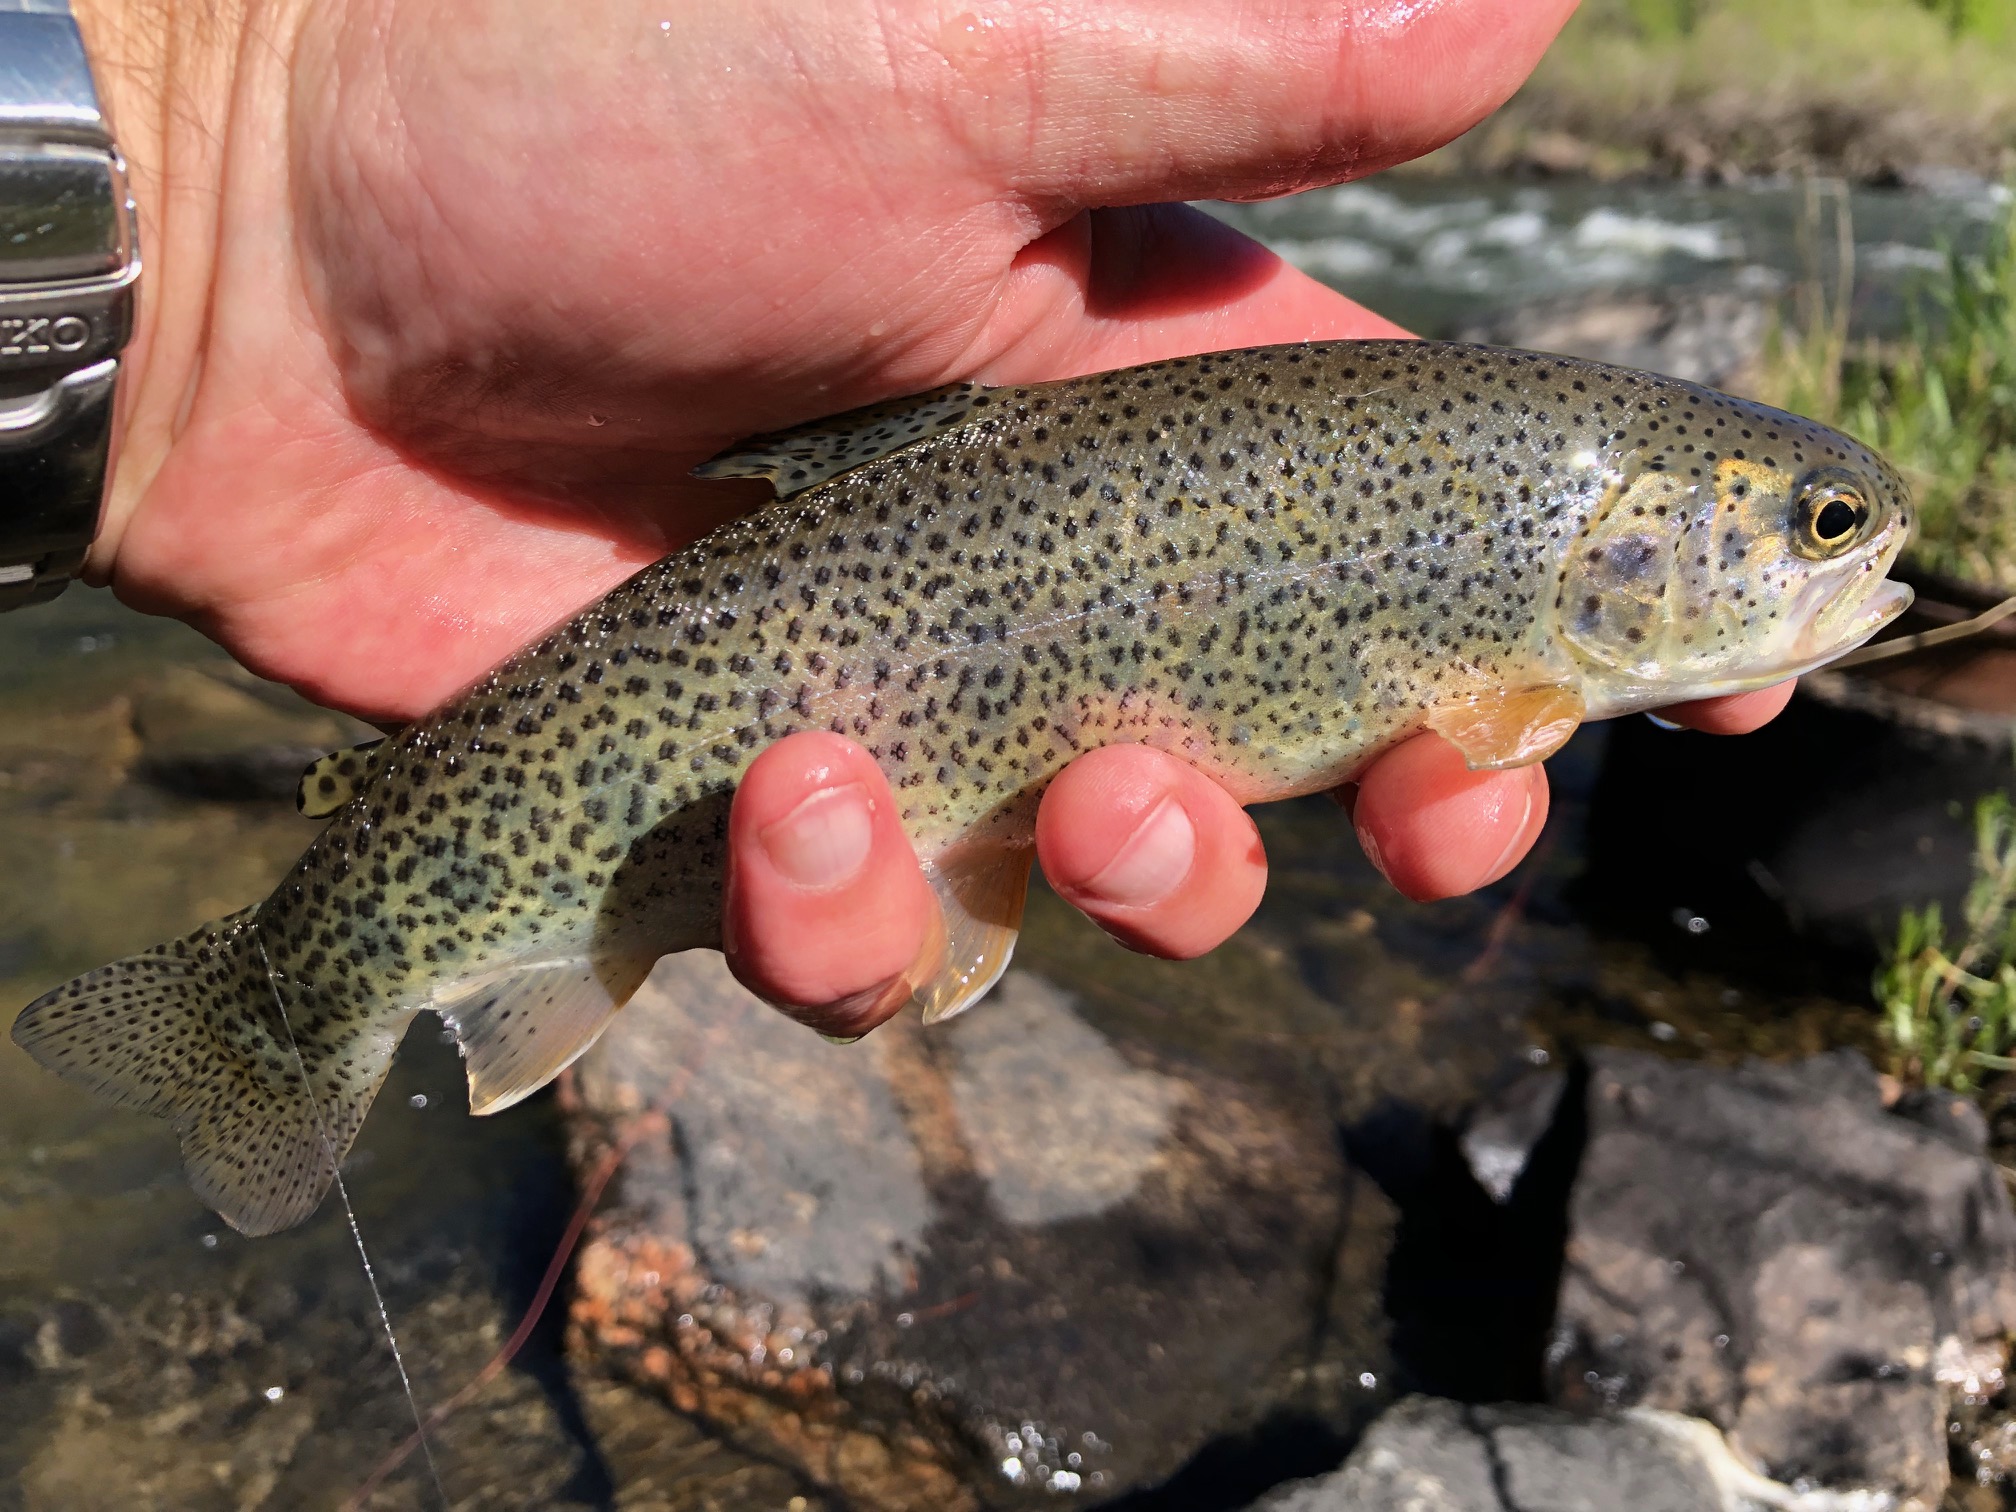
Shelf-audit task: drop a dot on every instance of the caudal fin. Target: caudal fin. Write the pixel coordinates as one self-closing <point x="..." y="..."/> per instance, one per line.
<point x="191" y="1031"/>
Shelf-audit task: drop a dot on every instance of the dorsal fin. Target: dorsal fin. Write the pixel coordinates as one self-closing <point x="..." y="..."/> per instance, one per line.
<point x="332" y="781"/>
<point x="807" y="455"/>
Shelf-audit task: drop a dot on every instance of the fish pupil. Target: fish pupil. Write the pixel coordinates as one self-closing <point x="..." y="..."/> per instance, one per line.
<point x="1835" y="520"/>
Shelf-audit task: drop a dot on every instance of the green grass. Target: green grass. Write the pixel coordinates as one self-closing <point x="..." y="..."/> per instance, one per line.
<point x="1864" y="88"/>
<point x="1693" y="47"/>
<point x="1939" y="402"/>
<point x="1949" y="1008"/>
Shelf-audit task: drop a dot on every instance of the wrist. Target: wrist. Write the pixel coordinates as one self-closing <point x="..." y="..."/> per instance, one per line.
<point x="174" y="84"/>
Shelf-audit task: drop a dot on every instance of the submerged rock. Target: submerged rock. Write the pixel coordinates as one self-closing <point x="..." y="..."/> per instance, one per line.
<point x="1772" y="1249"/>
<point x="1004" y="1259"/>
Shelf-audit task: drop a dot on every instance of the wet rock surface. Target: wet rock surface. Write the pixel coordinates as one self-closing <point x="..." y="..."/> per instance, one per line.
<point x="1006" y="1260"/>
<point x="1773" y="1250"/>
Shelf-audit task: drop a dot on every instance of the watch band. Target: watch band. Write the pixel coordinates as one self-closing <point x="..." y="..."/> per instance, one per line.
<point x="69" y="261"/>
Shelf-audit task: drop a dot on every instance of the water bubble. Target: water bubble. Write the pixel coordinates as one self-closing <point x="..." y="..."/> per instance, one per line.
<point x="274" y="1393"/>
<point x="1662" y="1031"/>
<point x="1687" y="919"/>
<point x="1064" y="1480"/>
<point x="1536" y="1056"/>
<point x="1011" y="1468"/>
<point x="208" y="1241"/>
<point x="904" y="1320"/>
<point x="417" y="1100"/>
<point x="1720" y="1341"/>
<point x="1367" y="1379"/>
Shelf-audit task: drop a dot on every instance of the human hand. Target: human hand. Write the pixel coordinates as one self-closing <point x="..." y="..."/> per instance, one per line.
<point x="445" y="300"/>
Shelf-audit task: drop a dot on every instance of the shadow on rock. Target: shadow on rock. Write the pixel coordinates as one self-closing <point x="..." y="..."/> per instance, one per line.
<point x="1476" y="1264"/>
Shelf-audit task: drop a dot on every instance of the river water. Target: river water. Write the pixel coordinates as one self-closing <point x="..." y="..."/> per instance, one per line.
<point x="149" y="1358"/>
<point x="1442" y="257"/>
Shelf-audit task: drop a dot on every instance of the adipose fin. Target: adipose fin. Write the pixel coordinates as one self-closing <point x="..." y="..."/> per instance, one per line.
<point x="333" y="780"/>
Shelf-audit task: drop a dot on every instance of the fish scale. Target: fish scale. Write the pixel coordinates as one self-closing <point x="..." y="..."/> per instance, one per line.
<point x="1272" y="563"/>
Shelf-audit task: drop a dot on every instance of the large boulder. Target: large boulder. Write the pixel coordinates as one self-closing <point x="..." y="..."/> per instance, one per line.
<point x="1005" y="1259"/>
<point x="1773" y="1249"/>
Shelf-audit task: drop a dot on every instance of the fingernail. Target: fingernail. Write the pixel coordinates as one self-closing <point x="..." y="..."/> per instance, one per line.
<point x="1508" y="857"/>
<point x="824" y="841"/>
<point x="1153" y="863"/>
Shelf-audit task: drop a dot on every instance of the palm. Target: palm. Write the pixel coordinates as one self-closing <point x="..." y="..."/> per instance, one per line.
<point x="545" y="260"/>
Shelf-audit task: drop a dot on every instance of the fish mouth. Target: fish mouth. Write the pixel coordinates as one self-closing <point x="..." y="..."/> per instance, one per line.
<point x="1886" y="601"/>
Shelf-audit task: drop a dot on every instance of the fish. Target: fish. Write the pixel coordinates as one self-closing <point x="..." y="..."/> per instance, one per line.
<point x="1273" y="563"/>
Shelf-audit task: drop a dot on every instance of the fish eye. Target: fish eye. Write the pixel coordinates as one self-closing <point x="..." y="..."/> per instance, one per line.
<point x="1829" y="517"/>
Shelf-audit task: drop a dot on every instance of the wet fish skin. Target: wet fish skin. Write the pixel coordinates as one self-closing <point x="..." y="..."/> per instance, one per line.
<point x="1274" y="563"/>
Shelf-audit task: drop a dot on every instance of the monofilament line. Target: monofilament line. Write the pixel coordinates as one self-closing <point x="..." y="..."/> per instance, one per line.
<point x="350" y="1212"/>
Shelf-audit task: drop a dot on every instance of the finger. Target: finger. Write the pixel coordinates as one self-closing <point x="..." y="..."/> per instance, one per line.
<point x="1113" y="102"/>
<point x="1155" y="852"/>
<point x="1436" y="828"/>
<point x="826" y="909"/>
<point x="1737" y="714"/>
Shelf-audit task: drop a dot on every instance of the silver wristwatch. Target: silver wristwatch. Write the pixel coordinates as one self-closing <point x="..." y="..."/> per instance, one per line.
<point x="69" y="261"/>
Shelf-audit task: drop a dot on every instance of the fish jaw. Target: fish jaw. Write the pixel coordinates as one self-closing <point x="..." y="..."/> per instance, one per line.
<point x="1888" y="600"/>
<point x="1809" y="653"/>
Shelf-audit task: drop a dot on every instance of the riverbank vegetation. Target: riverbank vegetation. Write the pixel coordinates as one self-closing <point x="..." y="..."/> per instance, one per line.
<point x="1939" y="401"/>
<point x="1871" y="90"/>
<point x="1949" y="1006"/>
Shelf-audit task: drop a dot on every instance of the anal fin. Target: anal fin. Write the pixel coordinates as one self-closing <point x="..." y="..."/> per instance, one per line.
<point x="333" y="780"/>
<point x="520" y="1027"/>
<point x="981" y="891"/>
<point x="1510" y="729"/>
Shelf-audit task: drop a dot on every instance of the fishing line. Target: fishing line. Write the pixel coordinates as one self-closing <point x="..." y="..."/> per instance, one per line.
<point x="350" y="1212"/>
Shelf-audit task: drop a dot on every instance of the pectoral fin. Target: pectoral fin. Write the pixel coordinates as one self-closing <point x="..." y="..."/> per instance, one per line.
<point x="806" y="455"/>
<point x="1498" y="730"/>
<point x="981" y="890"/>
<point x="332" y="781"/>
<point x="519" y="1028"/>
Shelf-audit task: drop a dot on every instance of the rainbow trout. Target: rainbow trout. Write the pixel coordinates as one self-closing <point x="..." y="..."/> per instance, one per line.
<point x="1273" y="563"/>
